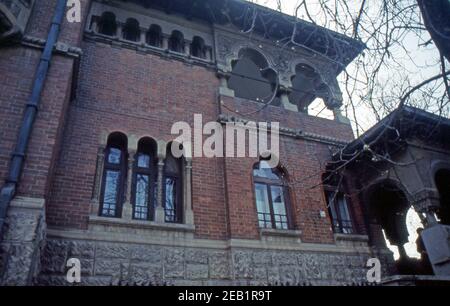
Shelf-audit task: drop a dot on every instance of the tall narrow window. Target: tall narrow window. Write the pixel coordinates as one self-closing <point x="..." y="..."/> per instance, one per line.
<point x="176" y="42"/>
<point x="173" y="188"/>
<point x="131" y="30"/>
<point x="114" y="173"/>
<point x="198" y="48"/>
<point x="144" y="180"/>
<point x="271" y="197"/>
<point x="340" y="213"/>
<point x="154" y="36"/>
<point x="107" y="24"/>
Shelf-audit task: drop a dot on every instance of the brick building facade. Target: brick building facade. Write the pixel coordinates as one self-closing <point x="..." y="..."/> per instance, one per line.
<point x="117" y="83"/>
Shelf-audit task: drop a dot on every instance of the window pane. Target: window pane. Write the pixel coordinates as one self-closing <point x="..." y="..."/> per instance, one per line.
<point x="142" y="197"/>
<point x="265" y="171"/>
<point x="279" y="207"/>
<point x="345" y="215"/>
<point x="170" y="199"/>
<point x="262" y="205"/>
<point x="110" y="194"/>
<point x="114" y="156"/>
<point x="143" y="160"/>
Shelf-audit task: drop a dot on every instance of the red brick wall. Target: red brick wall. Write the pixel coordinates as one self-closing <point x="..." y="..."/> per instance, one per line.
<point x="143" y="95"/>
<point x="18" y="65"/>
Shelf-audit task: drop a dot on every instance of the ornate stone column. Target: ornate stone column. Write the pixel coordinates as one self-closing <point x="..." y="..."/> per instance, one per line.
<point x="143" y="37"/>
<point x="165" y="42"/>
<point x="284" y="95"/>
<point x="159" y="209"/>
<point x="187" y="47"/>
<point x="119" y="30"/>
<point x="188" y="212"/>
<point x="127" y="210"/>
<point x="160" y="215"/>
<point x="223" y="89"/>
<point x="95" y="201"/>
<point x="94" y="25"/>
<point x="426" y="201"/>
<point x="339" y="117"/>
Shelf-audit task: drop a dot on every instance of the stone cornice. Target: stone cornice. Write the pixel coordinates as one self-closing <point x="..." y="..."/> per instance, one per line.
<point x="295" y="133"/>
<point x="60" y="48"/>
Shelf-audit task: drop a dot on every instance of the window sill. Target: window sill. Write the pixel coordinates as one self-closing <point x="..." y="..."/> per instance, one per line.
<point x="351" y="237"/>
<point x="351" y="240"/>
<point x="280" y="233"/>
<point x="137" y="224"/>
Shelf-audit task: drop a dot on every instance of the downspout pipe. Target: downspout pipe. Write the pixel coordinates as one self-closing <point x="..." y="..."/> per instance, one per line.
<point x="9" y="189"/>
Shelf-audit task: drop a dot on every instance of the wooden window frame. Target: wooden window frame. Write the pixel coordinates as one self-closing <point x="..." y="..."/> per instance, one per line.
<point x="269" y="183"/>
<point x="151" y="172"/>
<point x="178" y="192"/>
<point x="121" y="168"/>
<point x="339" y="228"/>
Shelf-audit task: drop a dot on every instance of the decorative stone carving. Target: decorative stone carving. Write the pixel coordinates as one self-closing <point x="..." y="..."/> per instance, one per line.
<point x="283" y="60"/>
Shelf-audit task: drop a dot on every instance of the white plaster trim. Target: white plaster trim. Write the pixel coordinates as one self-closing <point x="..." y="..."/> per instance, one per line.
<point x="140" y="224"/>
<point x="190" y="241"/>
<point x="351" y="237"/>
<point x="29" y="203"/>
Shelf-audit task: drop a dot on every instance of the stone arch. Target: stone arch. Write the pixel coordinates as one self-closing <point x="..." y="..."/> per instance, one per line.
<point x="237" y="48"/>
<point x="326" y="76"/>
<point x="176" y="42"/>
<point x="252" y="77"/>
<point x="107" y="24"/>
<point x="131" y="30"/>
<point x="154" y="36"/>
<point x="308" y="84"/>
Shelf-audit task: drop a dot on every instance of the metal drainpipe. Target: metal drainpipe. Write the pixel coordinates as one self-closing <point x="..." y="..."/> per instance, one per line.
<point x="8" y="190"/>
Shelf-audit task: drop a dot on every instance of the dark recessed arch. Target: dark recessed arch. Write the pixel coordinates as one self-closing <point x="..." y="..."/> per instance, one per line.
<point x="307" y="85"/>
<point x="131" y="30"/>
<point x="252" y="78"/>
<point x="107" y="24"/>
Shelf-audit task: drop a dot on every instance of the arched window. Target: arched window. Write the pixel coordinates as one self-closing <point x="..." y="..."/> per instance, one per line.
<point x="251" y="77"/>
<point x="107" y="24"/>
<point x="114" y="174"/>
<point x="340" y="213"/>
<point x="144" y="180"/>
<point x="154" y="36"/>
<point x="271" y="195"/>
<point x="173" y="188"/>
<point x="131" y="30"/>
<point x="198" y="48"/>
<point x="307" y="85"/>
<point x="176" y="42"/>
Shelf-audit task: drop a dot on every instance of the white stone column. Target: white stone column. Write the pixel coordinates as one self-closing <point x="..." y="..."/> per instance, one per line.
<point x="187" y="47"/>
<point x="94" y="25"/>
<point x="165" y="42"/>
<point x="160" y="215"/>
<point x="286" y="103"/>
<point x="187" y="199"/>
<point x="223" y="89"/>
<point x="119" y="34"/>
<point x="339" y="117"/>
<point x="127" y="209"/>
<point x="143" y="37"/>
<point x="95" y="201"/>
